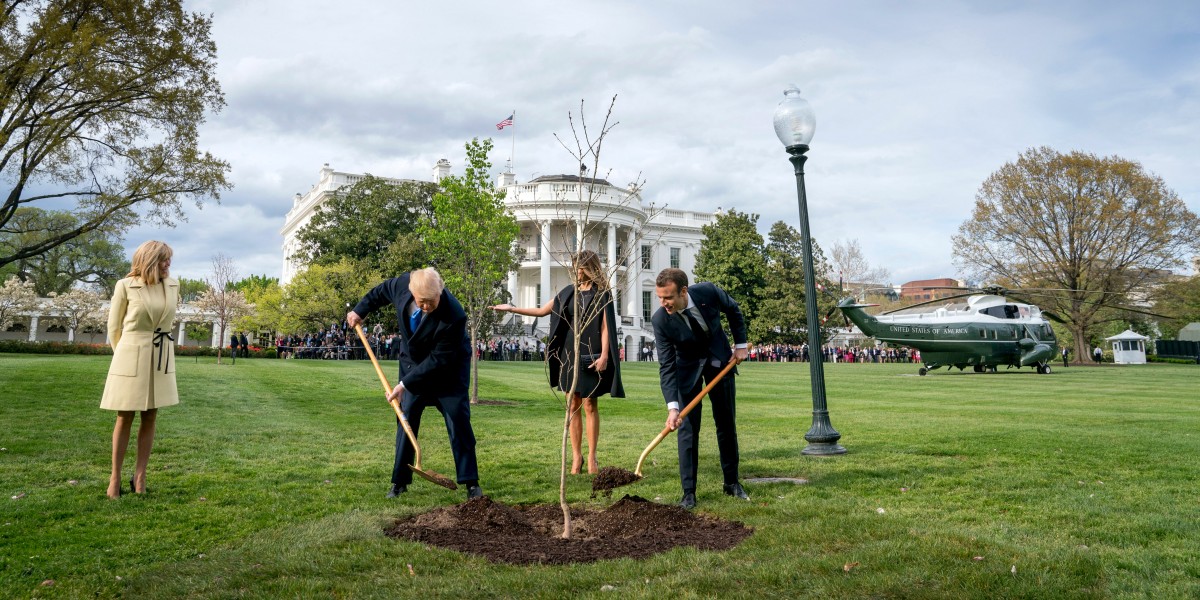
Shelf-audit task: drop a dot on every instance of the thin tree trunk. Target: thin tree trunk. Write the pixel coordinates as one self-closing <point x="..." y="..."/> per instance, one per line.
<point x="562" y="474"/>
<point x="474" y="370"/>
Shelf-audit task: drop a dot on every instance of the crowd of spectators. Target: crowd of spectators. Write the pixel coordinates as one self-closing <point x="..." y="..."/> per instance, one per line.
<point x="832" y="354"/>
<point x="511" y="349"/>
<point x="338" y="342"/>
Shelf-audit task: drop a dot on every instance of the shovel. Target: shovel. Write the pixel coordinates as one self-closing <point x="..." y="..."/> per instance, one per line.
<point x="432" y="476"/>
<point x="683" y="413"/>
<point x="611" y="478"/>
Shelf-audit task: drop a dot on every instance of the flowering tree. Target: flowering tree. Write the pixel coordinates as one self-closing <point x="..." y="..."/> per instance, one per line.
<point x="16" y="297"/>
<point x="222" y="302"/>
<point x="82" y="309"/>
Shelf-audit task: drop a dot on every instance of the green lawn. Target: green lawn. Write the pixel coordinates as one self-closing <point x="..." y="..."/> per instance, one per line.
<point x="268" y="482"/>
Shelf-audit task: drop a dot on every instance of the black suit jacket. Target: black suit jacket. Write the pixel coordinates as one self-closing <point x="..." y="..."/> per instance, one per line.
<point x="436" y="359"/>
<point x="681" y="356"/>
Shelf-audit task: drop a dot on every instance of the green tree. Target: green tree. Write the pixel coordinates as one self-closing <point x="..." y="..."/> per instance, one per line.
<point x="782" y="315"/>
<point x="733" y="257"/>
<point x="470" y="240"/>
<point x="198" y="331"/>
<point x="1102" y="228"/>
<point x="95" y="258"/>
<point x="253" y="284"/>
<point x="265" y="295"/>
<point x="101" y="101"/>
<point x="1179" y="298"/>
<point x="317" y="296"/>
<point x="364" y="221"/>
<point x="191" y="289"/>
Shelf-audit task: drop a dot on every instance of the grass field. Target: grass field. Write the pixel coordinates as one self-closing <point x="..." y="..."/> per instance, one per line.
<point x="268" y="482"/>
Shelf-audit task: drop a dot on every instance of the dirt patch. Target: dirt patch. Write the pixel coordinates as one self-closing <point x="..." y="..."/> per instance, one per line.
<point x="486" y="402"/>
<point x="633" y="527"/>
<point x="611" y="478"/>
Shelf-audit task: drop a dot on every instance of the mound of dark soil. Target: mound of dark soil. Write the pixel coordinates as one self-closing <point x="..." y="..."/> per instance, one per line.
<point x="610" y="478"/>
<point x="633" y="527"/>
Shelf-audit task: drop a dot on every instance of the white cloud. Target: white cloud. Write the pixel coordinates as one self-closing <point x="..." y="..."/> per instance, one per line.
<point x="916" y="104"/>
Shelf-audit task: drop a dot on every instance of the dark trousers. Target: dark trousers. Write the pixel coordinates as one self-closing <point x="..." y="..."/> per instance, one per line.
<point x="721" y="398"/>
<point x="457" y="414"/>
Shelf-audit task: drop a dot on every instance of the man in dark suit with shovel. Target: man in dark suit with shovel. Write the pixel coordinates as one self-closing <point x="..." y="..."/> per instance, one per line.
<point x="434" y="368"/>
<point x="692" y="349"/>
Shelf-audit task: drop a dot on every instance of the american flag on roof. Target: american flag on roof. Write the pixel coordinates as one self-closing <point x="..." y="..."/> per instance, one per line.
<point x="505" y="122"/>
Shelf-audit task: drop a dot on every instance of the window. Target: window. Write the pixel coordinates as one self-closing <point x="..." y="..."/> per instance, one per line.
<point x="537" y="254"/>
<point x="539" y="295"/>
<point x="617" y="308"/>
<point x="674" y="258"/>
<point x="647" y="303"/>
<point x="646" y="257"/>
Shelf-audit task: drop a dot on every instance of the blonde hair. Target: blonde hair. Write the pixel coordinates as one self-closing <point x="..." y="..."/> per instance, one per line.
<point x="589" y="261"/>
<point x="147" y="258"/>
<point x="426" y="283"/>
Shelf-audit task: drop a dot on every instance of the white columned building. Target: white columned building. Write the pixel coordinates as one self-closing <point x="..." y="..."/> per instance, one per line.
<point x="559" y="214"/>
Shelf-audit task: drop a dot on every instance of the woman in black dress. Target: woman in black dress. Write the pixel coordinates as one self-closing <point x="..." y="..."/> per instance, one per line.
<point x="591" y="313"/>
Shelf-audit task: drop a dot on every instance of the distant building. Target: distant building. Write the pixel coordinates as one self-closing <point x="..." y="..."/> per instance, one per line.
<point x="553" y="214"/>
<point x="919" y="290"/>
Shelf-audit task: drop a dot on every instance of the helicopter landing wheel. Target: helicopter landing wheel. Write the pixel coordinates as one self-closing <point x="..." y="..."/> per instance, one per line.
<point x="922" y="371"/>
<point x="978" y="368"/>
<point x="1044" y="369"/>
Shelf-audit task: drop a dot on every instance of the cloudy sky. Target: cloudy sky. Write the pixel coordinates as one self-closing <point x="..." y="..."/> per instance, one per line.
<point x="916" y="104"/>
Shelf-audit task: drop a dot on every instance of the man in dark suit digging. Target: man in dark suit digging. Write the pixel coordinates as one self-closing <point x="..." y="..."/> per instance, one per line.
<point x="434" y="366"/>
<point x="692" y="349"/>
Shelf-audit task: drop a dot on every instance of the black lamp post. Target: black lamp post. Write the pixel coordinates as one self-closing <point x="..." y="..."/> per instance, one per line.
<point x="795" y="124"/>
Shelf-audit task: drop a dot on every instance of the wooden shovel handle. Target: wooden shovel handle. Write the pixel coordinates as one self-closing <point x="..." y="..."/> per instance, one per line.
<point x="687" y="409"/>
<point x="387" y="391"/>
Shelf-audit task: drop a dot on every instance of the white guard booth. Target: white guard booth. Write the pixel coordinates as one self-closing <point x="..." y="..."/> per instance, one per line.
<point x="1129" y="348"/>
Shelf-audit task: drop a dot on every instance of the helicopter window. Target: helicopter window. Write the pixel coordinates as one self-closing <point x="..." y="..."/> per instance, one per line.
<point x="1011" y="312"/>
<point x="983" y="333"/>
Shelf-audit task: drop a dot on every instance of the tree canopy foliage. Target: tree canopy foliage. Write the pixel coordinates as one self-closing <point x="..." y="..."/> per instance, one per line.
<point x="190" y="289"/>
<point x="782" y="313"/>
<point x="733" y="257"/>
<point x="470" y="240"/>
<point x="100" y="101"/>
<point x="372" y="223"/>
<point x="317" y="297"/>
<point x="94" y="258"/>
<point x="1100" y="227"/>
<point x="1179" y="298"/>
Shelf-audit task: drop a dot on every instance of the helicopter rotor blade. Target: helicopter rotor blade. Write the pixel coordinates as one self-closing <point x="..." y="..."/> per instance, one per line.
<point x="934" y="301"/>
<point x="1053" y="317"/>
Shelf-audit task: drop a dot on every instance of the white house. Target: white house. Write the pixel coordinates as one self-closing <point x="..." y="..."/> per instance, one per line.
<point x="557" y="214"/>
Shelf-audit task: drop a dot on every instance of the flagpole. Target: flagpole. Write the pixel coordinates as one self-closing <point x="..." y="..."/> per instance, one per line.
<point x="512" y="155"/>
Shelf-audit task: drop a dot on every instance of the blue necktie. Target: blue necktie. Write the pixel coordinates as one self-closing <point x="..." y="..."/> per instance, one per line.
<point x="414" y="321"/>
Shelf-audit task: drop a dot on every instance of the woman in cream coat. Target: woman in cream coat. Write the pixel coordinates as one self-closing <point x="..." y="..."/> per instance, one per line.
<point x="141" y="377"/>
